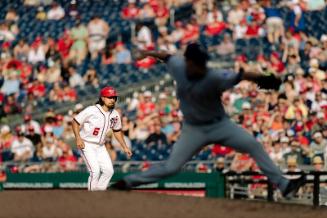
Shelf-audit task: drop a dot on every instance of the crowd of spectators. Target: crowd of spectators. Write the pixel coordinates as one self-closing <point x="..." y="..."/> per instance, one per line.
<point x="290" y="123"/>
<point x="47" y="68"/>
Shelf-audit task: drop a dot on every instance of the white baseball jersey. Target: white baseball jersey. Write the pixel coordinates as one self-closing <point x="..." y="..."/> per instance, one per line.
<point x="95" y="123"/>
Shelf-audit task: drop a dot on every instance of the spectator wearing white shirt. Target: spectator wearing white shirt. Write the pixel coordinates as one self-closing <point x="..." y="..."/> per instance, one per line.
<point x="215" y="15"/>
<point x="75" y="79"/>
<point x="236" y="15"/>
<point x="315" y="5"/>
<point x="22" y="148"/>
<point x="36" y="54"/>
<point x="56" y="12"/>
<point x="240" y="30"/>
<point x="28" y="122"/>
<point x="143" y="37"/>
<point x="178" y="33"/>
<point x="98" y="31"/>
<point x="277" y="154"/>
<point x="5" y="34"/>
<point x="50" y="151"/>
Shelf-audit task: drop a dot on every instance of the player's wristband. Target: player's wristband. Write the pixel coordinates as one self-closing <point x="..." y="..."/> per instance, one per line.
<point x="239" y="76"/>
<point x="166" y="59"/>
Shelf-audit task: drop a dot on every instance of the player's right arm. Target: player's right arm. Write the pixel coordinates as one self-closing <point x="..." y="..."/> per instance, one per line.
<point x="159" y="55"/>
<point x="78" y="121"/>
<point x="175" y="63"/>
<point x="76" y="129"/>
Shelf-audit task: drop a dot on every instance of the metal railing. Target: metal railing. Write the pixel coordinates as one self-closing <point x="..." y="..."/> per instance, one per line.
<point x="243" y="178"/>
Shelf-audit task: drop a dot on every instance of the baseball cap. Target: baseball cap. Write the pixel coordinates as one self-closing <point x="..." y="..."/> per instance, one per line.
<point x="314" y="63"/>
<point x="48" y="129"/>
<point x="220" y="160"/>
<point x="27" y="117"/>
<point x="290" y="133"/>
<point x="78" y="107"/>
<point x="291" y="161"/>
<point x="246" y="105"/>
<point x="320" y="115"/>
<point x="284" y="139"/>
<point x="317" y="160"/>
<point x="323" y="38"/>
<point x="147" y="94"/>
<point x="317" y="135"/>
<point x="162" y="96"/>
<point x="5" y="129"/>
<point x="299" y="71"/>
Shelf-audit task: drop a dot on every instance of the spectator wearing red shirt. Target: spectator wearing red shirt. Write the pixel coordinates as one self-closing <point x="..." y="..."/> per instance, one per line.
<point x="162" y="12"/>
<point x="215" y="27"/>
<point x="257" y="13"/>
<point x="64" y="44"/>
<point x="2" y="97"/>
<point x="69" y="94"/>
<point x="276" y="64"/>
<point x="24" y="69"/>
<point x="303" y="140"/>
<point x="241" y="163"/>
<point x="146" y="107"/>
<point x="57" y="93"/>
<point x="37" y="88"/>
<point x="11" y="106"/>
<point x="67" y="161"/>
<point x="191" y="32"/>
<point x="219" y="150"/>
<point x="131" y="11"/>
<point x="253" y="30"/>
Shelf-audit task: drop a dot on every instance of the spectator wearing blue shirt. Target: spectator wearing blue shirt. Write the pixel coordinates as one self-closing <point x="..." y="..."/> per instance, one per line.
<point x="10" y="84"/>
<point x="275" y="26"/>
<point x="123" y="56"/>
<point x="297" y="20"/>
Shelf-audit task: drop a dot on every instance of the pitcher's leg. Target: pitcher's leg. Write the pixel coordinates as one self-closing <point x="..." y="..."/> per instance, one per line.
<point x="236" y="137"/>
<point x="190" y="141"/>
<point x="90" y="159"/>
<point x="106" y="168"/>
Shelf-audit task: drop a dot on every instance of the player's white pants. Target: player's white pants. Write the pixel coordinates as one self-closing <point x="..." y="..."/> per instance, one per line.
<point x="99" y="164"/>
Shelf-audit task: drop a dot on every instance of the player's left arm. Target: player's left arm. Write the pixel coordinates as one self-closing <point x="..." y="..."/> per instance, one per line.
<point x="257" y="75"/>
<point x="119" y="135"/>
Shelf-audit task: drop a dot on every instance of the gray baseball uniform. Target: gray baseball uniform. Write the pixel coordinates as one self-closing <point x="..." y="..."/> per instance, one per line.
<point x="205" y="122"/>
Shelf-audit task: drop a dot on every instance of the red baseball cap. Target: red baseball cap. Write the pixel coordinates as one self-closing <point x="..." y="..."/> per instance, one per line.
<point x="27" y="117"/>
<point x="108" y="92"/>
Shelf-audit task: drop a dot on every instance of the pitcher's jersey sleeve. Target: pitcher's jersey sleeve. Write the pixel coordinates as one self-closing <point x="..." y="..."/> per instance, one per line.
<point x="115" y="121"/>
<point x="176" y="65"/>
<point x="226" y="79"/>
<point x="84" y="115"/>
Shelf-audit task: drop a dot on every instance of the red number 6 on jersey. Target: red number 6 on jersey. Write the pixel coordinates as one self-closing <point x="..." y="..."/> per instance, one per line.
<point x="96" y="131"/>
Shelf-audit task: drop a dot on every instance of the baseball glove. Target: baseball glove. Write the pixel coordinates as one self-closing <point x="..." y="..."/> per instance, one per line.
<point x="268" y="81"/>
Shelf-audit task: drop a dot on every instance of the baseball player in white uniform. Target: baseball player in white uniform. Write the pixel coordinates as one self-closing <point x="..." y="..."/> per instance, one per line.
<point x="90" y="127"/>
<point x="199" y="90"/>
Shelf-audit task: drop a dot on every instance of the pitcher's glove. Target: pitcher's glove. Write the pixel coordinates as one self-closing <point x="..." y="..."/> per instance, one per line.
<point x="268" y="81"/>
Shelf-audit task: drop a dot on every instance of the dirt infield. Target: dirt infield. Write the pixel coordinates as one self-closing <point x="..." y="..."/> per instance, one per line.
<point x="112" y="204"/>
